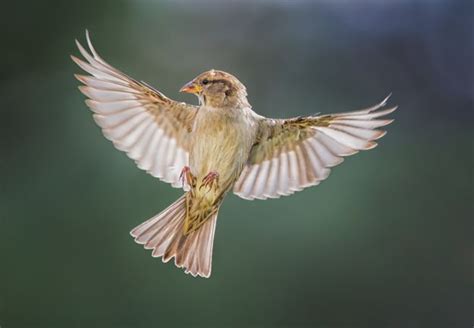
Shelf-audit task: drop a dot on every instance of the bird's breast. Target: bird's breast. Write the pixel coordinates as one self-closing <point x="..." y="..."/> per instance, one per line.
<point x="220" y="143"/>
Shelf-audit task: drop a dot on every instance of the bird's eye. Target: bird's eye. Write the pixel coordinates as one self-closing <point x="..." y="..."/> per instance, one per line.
<point x="205" y="81"/>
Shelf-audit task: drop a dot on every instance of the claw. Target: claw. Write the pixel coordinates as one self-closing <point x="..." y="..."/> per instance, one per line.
<point x="210" y="179"/>
<point x="186" y="176"/>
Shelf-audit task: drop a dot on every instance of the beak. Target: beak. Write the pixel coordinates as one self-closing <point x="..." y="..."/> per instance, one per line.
<point x="191" y="87"/>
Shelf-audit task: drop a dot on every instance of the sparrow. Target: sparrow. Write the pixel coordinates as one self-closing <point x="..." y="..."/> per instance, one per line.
<point x="217" y="147"/>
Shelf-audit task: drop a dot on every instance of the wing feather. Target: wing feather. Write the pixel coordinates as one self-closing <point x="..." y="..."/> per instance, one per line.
<point x="292" y="154"/>
<point x="152" y="129"/>
<point x="284" y="187"/>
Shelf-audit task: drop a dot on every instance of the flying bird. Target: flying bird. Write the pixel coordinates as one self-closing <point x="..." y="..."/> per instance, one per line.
<point x="218" y="147"/>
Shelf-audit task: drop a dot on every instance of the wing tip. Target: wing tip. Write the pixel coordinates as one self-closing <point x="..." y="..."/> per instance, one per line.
<point x="380" y="134"/>
<point x="384" y="101"/>
<point x="75" y="59"/>
<point x="84" y="89"/>
<point x="387" y="122"/>
<point x="80" y="78"/>
<point x="370" y="145"/>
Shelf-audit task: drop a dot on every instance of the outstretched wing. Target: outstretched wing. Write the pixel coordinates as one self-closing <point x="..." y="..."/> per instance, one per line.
<point x="296" y="153"/>
<point x="152" y="129"/>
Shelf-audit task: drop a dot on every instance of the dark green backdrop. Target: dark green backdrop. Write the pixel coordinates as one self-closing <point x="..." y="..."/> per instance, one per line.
<point x="386" y="241"/>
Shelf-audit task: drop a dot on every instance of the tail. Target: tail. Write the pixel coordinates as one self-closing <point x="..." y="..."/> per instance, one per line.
<point x="164" y="233"/>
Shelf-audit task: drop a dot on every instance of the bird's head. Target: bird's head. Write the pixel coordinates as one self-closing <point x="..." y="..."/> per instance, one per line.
<point x="217" y="89"/>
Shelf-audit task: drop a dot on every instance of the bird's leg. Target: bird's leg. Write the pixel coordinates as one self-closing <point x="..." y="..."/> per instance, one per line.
<point x="210" y="179"/>
<point x="187" y="176"/>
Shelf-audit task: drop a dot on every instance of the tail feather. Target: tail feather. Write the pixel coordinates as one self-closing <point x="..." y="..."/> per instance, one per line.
<point x="164" y="233"/>
<point x="199" y="257"/>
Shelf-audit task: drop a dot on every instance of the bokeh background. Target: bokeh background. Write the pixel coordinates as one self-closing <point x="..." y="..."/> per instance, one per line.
<point x="386" y="241"/>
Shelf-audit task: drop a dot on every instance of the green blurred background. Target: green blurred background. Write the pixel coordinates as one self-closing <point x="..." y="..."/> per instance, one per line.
<point x="386" y="241"/>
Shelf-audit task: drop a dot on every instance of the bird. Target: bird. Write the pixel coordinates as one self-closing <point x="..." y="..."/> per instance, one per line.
<point x="215" y="148"/>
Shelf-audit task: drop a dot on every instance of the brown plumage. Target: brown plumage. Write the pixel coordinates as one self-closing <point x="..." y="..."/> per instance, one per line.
<point x="211" y="149"/>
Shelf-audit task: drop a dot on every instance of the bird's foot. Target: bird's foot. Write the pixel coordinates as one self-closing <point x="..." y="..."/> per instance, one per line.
<point x="187" y="177"/>
<point x="211" y="179"/>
